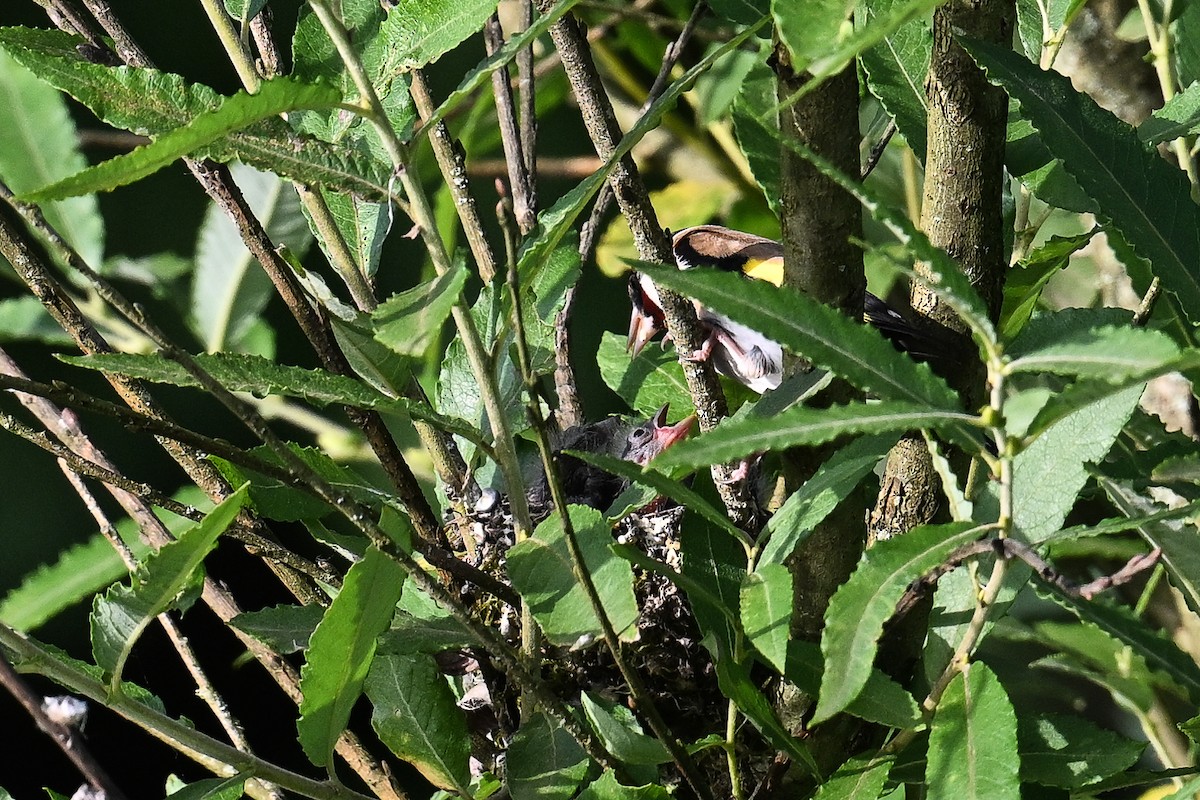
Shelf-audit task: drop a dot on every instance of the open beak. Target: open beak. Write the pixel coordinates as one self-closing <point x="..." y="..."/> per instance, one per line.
<point x="667" y="435"/>
<point x="642" y="328"/>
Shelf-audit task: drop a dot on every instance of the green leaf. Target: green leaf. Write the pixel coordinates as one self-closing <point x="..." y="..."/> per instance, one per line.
<point x="973" y="741"/>
<point x="542" y="296"/>
<point x="40" y="147"/>
<point x="1160" y="653"/>
<point x="78" y="572"/>
<point x="735" y="683"/>
<point x="421" y="31"/>
<point x="1085" y="651"/>
<point x="26" y="319"/>
<point x="240" y="373"/>
<point x="317" y="61"/>
<point x="541" y="572"/>
<point x="411" y="321"/>
<point x="212" y="789"/>
<point x="646" y="382"/>
<point x="1177" y="538"/>
<point x="896" y="69"/>
<point x="757" y="130"/>
<point x="606" y="787"/>
<point x="285" y="629"/>
<point x="1048" y="474"/>
<point x="151" y="102"/>
<point x="860" y="778"/>
<point x="737" y="439"/>
<point x="882" y="700"/>
<point x="1180" y="116"/>
<point x="1146" y="198"/>
<point x="767" y="611"/>
<point x="853" y="43"/>
<point x="1081" y="394"/>
<point x="276" y="499"/>
<point x="363" y="226"/>
<point x="341" y="649"/>
<point x="458" y="389"/>
<point x="621" y="734"/>
<point x="810" y="29"/>
<point x="229" y="287"/>
<point x="415" y="715"/>
<point x="257" y="375"/>
<point x="120" y="616"/>
<point x="1083" y="343"/>
<point x="1071" y="752"/>
<point x="860" y="607"/>
<point x="833" y="341"/>
<point x="276" y="96"/>
<point x="244" y="10"/>
<point x="1024" y="283"/>
<point x="820" y="495"/>
<point x="544" y="761"/>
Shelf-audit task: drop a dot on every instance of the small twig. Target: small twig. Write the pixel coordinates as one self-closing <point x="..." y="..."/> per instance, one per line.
<point x="204" y="687"/>
<point x="66" y="738"/>
<point x="268" y="50"/>
<point x="878" y="150"/>
<point x="452" y="164"/>
<point x="672" y="55"/>
<point x="510" y="134"/>
<point x="529" y="121"/>
<point x="1146" y="307"/>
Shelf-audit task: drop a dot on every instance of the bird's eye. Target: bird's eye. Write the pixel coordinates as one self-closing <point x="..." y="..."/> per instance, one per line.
<point x="638" y="436"/>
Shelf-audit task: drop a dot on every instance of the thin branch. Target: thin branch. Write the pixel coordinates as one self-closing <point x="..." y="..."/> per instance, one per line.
<point x="135" y="497"/>
<point x="878" y="150"/>
<point x="529" y="121"/>
<point x="452" y="164"/>
<point x="72" y="745"/>
<point x="204" y="687"/>
<point x="239" y="457"/>
<point x="31" y="657"/>
<point x="510" y="133"/>
<point x="650" y="240"/>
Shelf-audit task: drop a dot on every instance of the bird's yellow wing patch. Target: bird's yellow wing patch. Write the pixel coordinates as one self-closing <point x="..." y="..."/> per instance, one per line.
<point x="765" y="269"/>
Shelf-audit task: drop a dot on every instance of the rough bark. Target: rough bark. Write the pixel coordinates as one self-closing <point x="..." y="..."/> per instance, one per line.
<point x="819" y="219"/>
<point x="962" y="214"/>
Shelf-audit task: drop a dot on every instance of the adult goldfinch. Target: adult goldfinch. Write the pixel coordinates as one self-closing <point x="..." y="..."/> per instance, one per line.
<point x="737" y="351"/>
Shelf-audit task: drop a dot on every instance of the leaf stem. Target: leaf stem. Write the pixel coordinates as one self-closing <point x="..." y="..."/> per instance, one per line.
<point x="1159" y="38"/>
<point x="235" y="46"/>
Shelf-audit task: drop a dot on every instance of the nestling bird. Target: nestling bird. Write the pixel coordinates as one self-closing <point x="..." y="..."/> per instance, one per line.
<point x="736" y="350"/>
<point x="587" y="485"/>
